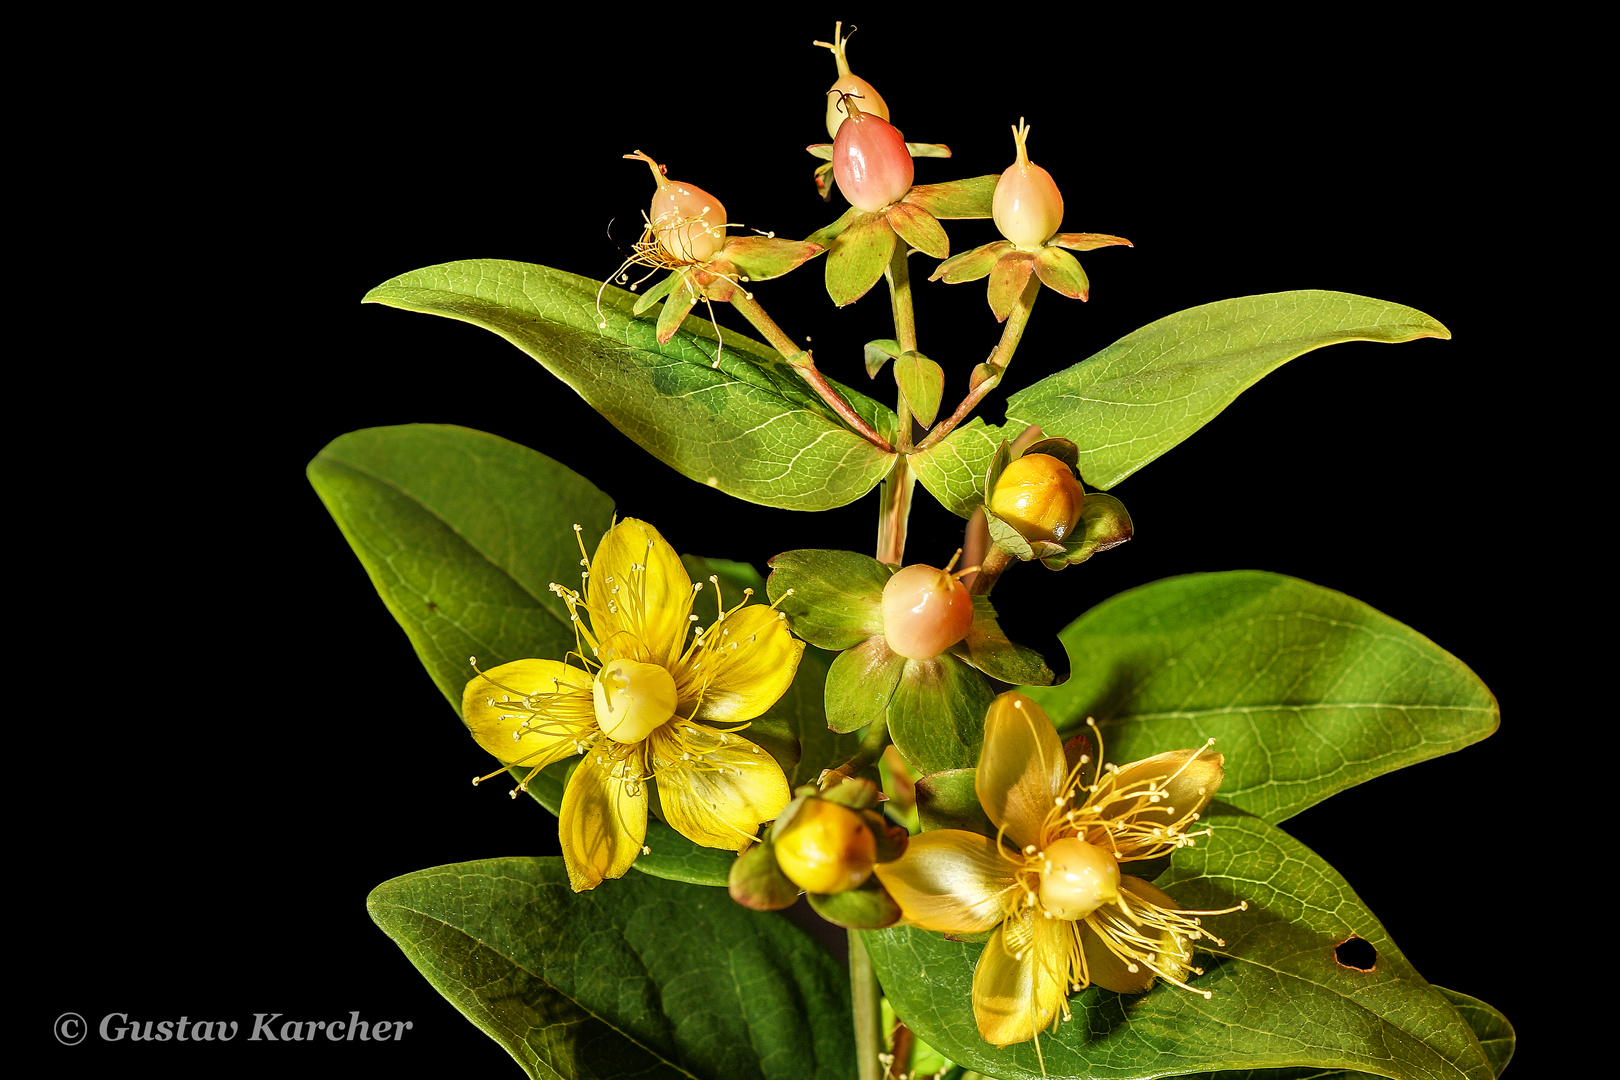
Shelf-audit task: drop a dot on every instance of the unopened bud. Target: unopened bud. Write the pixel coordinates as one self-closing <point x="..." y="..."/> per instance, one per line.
<point x="1039" y="496"/>
<point x="826" y="848"/>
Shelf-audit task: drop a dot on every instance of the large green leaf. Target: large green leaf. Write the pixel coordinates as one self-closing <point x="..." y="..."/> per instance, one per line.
<point x="732" y="415"/>
<point x="954" y="469"/>
<point x="1280" y="997"/>
<point x="1155" y="386"/>
<point x="448" y="524"/>
<point x="637" y="978"/>
<point x="1306" y="691"/>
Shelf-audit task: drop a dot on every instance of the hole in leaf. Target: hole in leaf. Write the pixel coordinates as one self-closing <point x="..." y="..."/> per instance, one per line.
<point x="1355" y="952"/>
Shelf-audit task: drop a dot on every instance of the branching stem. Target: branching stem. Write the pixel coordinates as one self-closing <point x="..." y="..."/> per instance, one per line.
<point x="1011" y="334"/>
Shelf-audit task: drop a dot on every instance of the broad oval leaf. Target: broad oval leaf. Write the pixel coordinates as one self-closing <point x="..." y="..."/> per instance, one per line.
<point x="954" y="469"/>
<point x="637" y="978"/>
<point x="749" y="426"/>
<point x="1280" y="998"/>
<point x="447" y="524"/>
<point x="1306" y="691"/>
<point x="1155" y="386"/>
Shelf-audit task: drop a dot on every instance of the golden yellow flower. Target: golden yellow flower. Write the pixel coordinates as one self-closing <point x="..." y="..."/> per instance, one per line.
<point x="1049" y="882"/>
<point x="640" y="701"/>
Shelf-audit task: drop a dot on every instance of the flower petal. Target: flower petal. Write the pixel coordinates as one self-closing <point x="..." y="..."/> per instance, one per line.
<point x="715" y="788"/>
<point x="639" y="613"/>
<point x="1187" y="779"/>
<point x="529" y="712"/>
<point x="950" y="880"/>
<point x="1021" y="768"/>
<point x="603" y="821"/>
<point x="745" y="664"/>
<point x="1113" y="942"/>
<point x="1019" y="984"/>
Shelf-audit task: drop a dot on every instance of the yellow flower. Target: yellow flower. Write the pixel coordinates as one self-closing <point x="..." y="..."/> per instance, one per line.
<point x="1049" y="882"/>
<point x="644" y="704"/>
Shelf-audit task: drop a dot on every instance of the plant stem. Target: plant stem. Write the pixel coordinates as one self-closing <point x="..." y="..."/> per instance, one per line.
<point x="806" y="366"/>
<point x="894" y="497"/>
<point x="1011" y="334"/>
<point x="867" y="1002"/>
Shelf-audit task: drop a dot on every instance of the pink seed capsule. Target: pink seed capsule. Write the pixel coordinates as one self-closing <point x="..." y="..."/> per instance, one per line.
<point x="925" y="612"/>
<point x="688" y="222"/>
<point x="1027" y="207"/>
<point x="870" y="160"/>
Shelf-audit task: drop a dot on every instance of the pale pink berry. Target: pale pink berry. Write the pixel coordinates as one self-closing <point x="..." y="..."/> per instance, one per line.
<point x="1027" y="207"/>
<point x="870" y="160"/>
<point x="925" y="612"/>
<point x="688" y="222"/>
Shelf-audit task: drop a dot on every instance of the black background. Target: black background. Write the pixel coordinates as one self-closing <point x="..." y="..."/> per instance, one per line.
<point x="284" y="752"/>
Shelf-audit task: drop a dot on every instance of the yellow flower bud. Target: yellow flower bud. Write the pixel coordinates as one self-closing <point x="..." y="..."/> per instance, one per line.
<point x="1039" y="496"/>
<point x="826" y="848"/>
<point x="925" y="612"/>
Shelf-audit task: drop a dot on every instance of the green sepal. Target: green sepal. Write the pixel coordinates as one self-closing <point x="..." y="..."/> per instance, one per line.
<point x="922" y="381"/>
<point x="889" y="841"/>
<point x="1105" y="523"/>
<point x="955" y="199"/>
<point x="657" y="292"/>
<point x="998" y="464"/>
<point x="860" y="684"/>
<point x="824" y="151"/>
<point x="878" y="353"/>
<point x="988" y="649"/>
<point x="824" y="181"/>
<point x="1009" y="539"/>
<point x="1062" y="449"/>
<point x="948" y="800"/>
<point x="755" y="881"/>
<point x="824" y="236"/>
<point x="676" y="308"/>
<point x="936" y="713"/>
<point x="928" y="149"/>
<point x="837" y="599"/>
<point x="971" y="265"/>
<point x="1061" y="272"/>
<point x="919" y="228"/>
<point x="1007" y="280"/>
<point x="1087" y="241"/>
<point x="858" y="257"/>
<point x="761" y="258"/>
<point x="869" y="907"/>
<point x="776" y="738"/>
<point x="855" y="793"/>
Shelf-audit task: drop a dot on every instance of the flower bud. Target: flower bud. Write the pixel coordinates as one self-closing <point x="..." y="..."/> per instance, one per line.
<point x="1027" y="207"/>
<point x="870" y="160"/>
<point x="1039" y="496"/>
<point x="925" y="612"/>
<point x="688" y="222"/>
<point x="826" y="848"/>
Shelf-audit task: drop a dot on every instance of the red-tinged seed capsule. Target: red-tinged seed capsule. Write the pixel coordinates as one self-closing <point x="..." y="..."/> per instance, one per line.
<point x="848" y="83"/>
<point x="870" y="160"/>
<point x="1027" y="207"/>
<point x="689" y="223"/>
<point x="826" y="848"/>
<point x="1039" y="496"/>
<point x="925" y="612"/>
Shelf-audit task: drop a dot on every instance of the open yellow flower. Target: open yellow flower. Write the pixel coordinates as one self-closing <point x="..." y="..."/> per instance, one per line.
<point x="644" y="704"/>
<point x="1049" y="881"/>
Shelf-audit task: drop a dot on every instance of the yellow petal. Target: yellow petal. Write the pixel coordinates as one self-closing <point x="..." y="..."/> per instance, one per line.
<point x="1019" y="985"/>
<point x="741" y="669"/>
<point x="716" y="788"/>
<point x="1021" y="768"/>
<point x="639" y="614"/>
<point x="949" y="880"/>
<point x="1188" y="779"/>
<point x="603" y="821"/>
<point x="1113" y="943"/>
<point x="529" y="712"/>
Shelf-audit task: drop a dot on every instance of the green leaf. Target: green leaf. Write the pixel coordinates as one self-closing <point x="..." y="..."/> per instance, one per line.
<point x="749" y="427"/>
<point x="1306" y="690"/>
<point x="1280" y="998"/>
<point x="820" y="747"/>
<point x="878" y="353"/>
<point x="637" y="978"/>
<point x="922" y="381"/>
<point x="936" y="714"/>
<point x="1155" y="386"/>
<point x="462" y="534"/>
<point x="837" y="596"/>
<point x="948" y="800"/>
<point x="860" y="684"/>
<point x="954" y="469"/>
